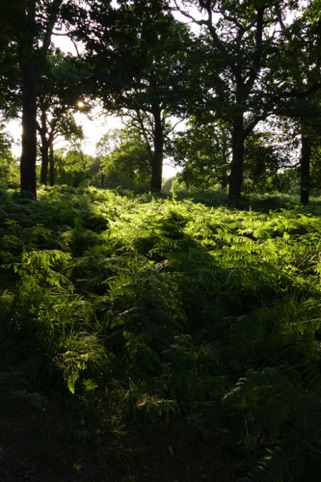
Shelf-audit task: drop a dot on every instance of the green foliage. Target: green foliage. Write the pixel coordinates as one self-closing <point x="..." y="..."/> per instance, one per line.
<point x="203" y="151"/>
<point x="72" y="167"/>
<point x="149" y="310"/>
<point x="128" y="163"/>
<point x="263" y="164"/>
<point x="34" y="399"/>
<point x="9" y="171"/>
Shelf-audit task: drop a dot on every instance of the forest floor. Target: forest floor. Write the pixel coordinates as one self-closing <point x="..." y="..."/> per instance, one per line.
<point x="35" y="446"/>
<point x="32" y="451"/>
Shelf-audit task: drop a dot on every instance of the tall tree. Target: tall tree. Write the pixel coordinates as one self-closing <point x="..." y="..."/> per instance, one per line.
<point x="138" y="53"/>
<point x="298" y="81"/>
<point x="240" y="40"/>
<point x="31" y="24"/>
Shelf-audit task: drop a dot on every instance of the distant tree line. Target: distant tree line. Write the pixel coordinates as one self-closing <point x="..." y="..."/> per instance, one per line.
<point x="243" y="77"/>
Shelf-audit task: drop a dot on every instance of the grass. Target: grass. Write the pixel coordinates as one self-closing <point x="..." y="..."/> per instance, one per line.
<point x="176" y="338"/>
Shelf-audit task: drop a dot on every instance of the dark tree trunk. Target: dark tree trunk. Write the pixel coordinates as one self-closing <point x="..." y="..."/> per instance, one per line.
<point x="46" y="146"/>
<point x="236" y="175"/>
<point x="305" y="169"/>
<point x="51" y="164"/>
<point x="158" y="154"/>
<point x="28" y="181"/>
<point x="224" y="179"/>
<point x="44" y="161"/>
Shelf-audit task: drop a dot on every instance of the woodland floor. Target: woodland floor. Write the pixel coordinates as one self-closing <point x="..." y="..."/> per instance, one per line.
<point x="36" y="447"/>
<point x="24" y="459"/>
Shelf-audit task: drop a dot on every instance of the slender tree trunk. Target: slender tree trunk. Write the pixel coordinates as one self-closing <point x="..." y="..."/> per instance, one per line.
<point x="224" y="171"/>
<point x="51" y="164"/>
<point x="305" y="169"/>
<point x="236" y="175"/>
<point x="224" y="178"/>
<point x="28" y="181"/>
<point x="44" y="161"/>
<point x="158" y="155"/>
<point x="45" y="145"/>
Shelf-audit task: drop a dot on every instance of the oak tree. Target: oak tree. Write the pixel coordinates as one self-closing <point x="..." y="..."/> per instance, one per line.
<point x="241" y="41"/>
<point x="137" y="55"/>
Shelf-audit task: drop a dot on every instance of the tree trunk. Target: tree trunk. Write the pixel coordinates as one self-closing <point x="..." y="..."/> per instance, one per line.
<point x="236" y="175"/>
<point x="28" y="182"/>
<point x="31" y="54"/>
<point x="46" y="140"/>
<point x="224" y="170"/>
<point x="157" y="164"/>
<point x="44" y="161"/>
<point x="305" y="169"/>
<point x="51" y="164"/>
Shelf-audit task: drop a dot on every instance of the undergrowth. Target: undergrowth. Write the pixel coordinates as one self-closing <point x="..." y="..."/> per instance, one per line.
<point x="146" y="312"/>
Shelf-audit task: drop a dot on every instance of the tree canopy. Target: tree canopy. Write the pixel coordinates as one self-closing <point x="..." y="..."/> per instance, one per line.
<point x="245" y="62"/>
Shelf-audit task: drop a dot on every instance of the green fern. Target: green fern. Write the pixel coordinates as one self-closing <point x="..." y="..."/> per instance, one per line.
<point x="272" y="467"/>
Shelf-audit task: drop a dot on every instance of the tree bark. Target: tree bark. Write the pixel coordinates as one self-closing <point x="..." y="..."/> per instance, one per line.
<point x="44" y="148"/>
<point x="29" y="129"/>
<point x="236" y="175"/>
<point x="305" y="169"/>
<point x="51" y="164"/>
<point x="31" y="55"/>
<point x="44" y="162"/>
<point x="158" y="154"/>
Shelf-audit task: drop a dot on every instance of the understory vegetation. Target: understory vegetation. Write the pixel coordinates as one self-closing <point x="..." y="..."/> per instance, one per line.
<point x="177" y="338"/>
